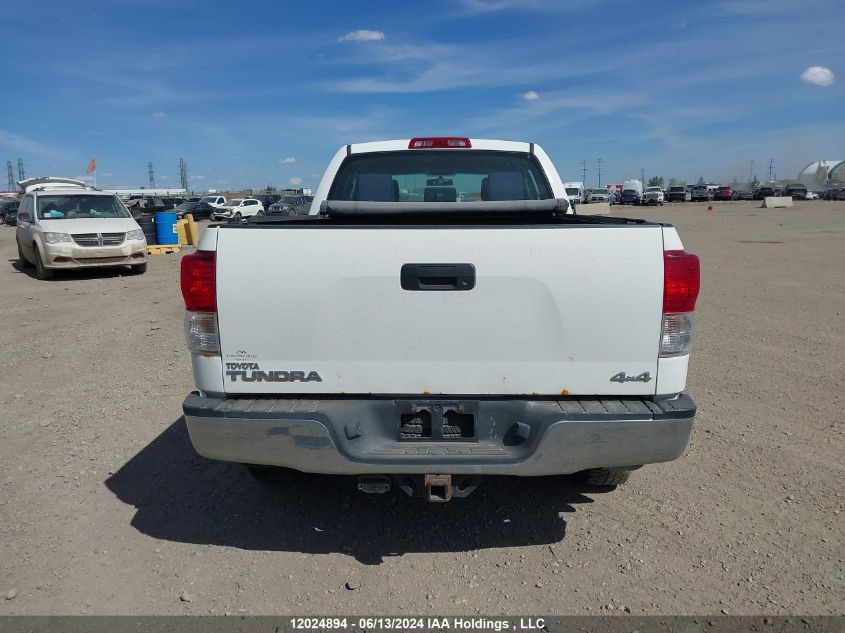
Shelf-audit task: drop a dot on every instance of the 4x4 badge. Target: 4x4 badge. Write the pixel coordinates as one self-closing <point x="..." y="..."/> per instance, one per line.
<point x="623" y="377"/>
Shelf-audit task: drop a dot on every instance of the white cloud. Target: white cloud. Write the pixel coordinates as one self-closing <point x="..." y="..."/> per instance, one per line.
<point x="362" y="35"/>
<point x="818" y="75"/>
<point x="531" y="96"/>
<point x="290" y="160"/>
<point x="295" y="181"/>
<point x="159" y="114"/>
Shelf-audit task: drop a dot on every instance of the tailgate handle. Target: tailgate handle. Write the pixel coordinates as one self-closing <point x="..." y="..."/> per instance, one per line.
<point x="438" y="277"/>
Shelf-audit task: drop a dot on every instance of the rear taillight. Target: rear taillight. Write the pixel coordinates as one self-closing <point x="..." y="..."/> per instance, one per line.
<point x="681" y="283"/>
<point x="199" y="289"/>
<point x="440" y="142"/>
<point x="198" y="282"/>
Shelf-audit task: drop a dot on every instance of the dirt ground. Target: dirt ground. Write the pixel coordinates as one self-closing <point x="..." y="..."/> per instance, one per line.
<point x="106" y="509"/>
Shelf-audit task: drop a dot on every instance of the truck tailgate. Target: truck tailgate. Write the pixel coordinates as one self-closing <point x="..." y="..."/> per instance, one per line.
<point x="557" y="309"/>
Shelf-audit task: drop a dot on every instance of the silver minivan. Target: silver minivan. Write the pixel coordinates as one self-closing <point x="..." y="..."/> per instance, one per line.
<point x="65" y="224"/>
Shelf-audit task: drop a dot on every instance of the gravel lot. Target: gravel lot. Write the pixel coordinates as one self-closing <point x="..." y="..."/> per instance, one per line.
<point x="106" y="509"/>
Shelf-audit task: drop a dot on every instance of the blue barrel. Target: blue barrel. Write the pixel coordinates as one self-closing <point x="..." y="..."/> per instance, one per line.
<point x="166" y="228"/>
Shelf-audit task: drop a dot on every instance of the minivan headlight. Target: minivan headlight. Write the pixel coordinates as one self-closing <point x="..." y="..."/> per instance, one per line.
<point x="135" y="234"/>
<point x="56" y="238"/>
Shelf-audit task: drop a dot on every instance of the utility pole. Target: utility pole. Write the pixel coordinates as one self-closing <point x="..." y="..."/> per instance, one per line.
<point x="152" y="175"/>
<point x="183" y="173"/>
<point x="771" y="162"/>
<point x="584" y="171"/>
<point x="11" y="174"/>
<point x="599" y="161"/>
<point x="21" y="172"/>
<point x="642" y="176"/>
<point x="751" y="173"/>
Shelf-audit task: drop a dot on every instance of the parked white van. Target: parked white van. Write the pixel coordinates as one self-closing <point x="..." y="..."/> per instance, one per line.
<point x="64" y="223"/>
<point x="576" y="192"/>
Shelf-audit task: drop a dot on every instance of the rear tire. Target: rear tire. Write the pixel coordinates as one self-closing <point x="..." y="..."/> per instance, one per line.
<point x="41" y="271"/>
<point x="608" y="476"/>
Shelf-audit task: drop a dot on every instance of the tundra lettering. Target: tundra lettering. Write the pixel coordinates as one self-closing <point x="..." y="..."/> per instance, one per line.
<point x="269" y="376"/>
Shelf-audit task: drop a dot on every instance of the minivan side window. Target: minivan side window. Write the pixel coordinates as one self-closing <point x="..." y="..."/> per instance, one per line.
<point x="26" y="210"/>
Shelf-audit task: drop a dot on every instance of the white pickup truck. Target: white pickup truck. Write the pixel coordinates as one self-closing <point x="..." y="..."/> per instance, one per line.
<point x="419" y="338"/>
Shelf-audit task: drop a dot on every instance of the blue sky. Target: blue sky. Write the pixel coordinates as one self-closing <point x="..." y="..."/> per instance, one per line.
<point x="251" y="93"/>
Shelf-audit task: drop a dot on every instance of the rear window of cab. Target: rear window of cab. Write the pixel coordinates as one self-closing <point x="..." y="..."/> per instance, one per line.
<point x="440" y="176"/>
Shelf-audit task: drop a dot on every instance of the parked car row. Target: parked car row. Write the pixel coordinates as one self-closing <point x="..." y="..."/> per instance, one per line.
<point x="9" y="212"/>
<point x="633" y="192"/>
<point x="834" y="193"/>
<point x="217" y="207"/>
<point x="703" y="193"/>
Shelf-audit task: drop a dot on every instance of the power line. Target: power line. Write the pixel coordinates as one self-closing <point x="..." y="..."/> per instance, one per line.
<point x="152" y="175"/>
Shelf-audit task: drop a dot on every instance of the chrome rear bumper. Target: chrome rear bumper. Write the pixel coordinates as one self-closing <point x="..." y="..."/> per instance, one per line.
<point x="509" y="437"/>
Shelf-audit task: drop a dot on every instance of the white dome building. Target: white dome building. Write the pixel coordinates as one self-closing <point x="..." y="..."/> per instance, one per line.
<point x="821" y="174"/>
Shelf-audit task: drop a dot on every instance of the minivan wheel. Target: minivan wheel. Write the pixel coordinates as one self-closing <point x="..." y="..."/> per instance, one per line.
<point x="41" y="271"/>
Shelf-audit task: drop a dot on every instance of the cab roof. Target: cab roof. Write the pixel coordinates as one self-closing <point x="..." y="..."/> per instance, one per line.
<point x="475" y="143"/>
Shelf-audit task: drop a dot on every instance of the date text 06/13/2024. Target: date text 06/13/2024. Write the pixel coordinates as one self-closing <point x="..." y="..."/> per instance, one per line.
<point x="420" y="624"/>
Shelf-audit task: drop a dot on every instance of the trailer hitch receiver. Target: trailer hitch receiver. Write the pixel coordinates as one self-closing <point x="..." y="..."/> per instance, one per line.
<point x="437" y="488"/>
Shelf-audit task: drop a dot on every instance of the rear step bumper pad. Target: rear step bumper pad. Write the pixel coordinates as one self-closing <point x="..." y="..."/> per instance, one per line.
<point x="510" y="436"/>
